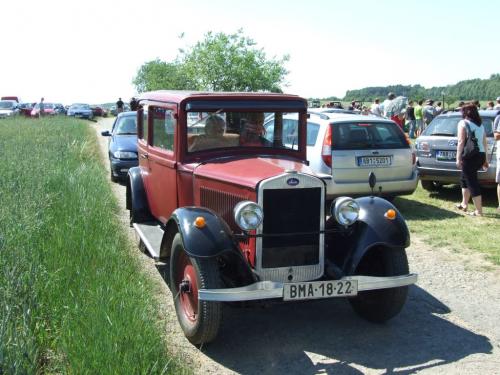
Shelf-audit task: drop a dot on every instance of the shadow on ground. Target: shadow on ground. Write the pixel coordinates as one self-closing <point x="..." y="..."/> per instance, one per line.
<point x="327" y="337"/>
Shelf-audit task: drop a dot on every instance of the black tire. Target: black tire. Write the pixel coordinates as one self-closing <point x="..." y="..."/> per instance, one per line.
<point x="200" y="320"/>
<point x="430" y="185"/>
<point x="112" y="176"/>
<point x="380" y="305"/>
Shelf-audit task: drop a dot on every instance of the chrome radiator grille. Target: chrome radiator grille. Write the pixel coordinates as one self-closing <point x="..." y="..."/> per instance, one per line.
<point x="291" y="248"/>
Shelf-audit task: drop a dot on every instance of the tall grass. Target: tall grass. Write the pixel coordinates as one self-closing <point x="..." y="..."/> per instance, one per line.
<point x="72" y="297"/>
<point x="433" y="217"/>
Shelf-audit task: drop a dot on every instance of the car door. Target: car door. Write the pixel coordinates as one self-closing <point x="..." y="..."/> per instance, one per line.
<point x="161" y="160"/>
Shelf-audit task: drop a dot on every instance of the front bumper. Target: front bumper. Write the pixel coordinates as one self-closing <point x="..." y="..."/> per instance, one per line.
<point x="270" y="289"/>
<point x="120" y="168"/>
<point x="452" y="176"/>
<point x="396" y="187"/>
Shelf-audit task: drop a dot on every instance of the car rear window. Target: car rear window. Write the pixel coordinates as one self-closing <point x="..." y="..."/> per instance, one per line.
<point x="369" y="135"/>
<point x="447" y="126"/>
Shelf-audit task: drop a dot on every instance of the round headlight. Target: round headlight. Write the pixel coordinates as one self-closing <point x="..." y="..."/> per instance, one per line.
<point x="345" y="210"/>
<point x="248" y="215"/>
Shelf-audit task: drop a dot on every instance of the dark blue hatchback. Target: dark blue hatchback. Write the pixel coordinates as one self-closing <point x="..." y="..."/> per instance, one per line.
<point x="122" y="148"/>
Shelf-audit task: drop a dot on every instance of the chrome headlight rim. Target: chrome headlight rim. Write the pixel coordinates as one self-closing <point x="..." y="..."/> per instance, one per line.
<point x="345" y="210"/>
<point x="248" y="215"/>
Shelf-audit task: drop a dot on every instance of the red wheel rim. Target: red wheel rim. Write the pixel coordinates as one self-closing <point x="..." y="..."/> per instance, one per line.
<point x="186" y="274"/>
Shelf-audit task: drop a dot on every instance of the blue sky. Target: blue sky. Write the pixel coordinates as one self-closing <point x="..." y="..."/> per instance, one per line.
<point x="72" y="51"/>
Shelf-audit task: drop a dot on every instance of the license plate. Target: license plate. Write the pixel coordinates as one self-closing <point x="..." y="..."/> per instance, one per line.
<point x="374" y="161"/>
<point x="446" y="155"/>
<point x="320" y="289"/>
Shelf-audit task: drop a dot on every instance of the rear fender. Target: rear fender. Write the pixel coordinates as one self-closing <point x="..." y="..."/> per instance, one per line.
<point x="215" y="239"/>
<point x="374" y="229"/>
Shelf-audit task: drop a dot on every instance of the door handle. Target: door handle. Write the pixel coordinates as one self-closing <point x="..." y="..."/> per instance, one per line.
<point x="144" y="156"/>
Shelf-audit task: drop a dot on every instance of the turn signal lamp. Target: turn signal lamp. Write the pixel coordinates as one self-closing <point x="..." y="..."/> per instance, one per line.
<point x="390" y="214"/>
<point x="200" y="222"/>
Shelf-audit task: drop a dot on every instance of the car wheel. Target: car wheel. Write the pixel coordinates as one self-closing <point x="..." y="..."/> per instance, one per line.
<point x="431" y="185"/>
<point x="381" y="305"/>
<point x="200" y="320"/>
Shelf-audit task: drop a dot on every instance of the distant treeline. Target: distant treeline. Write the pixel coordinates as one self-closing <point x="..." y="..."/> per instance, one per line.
<point x="480" y="89"/>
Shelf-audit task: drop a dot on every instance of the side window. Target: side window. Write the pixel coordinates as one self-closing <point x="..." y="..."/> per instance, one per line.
<point x="163" y="128"/>
<point x="142" y="125"/>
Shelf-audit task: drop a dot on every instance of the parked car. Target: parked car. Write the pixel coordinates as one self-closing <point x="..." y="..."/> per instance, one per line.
<point x="8" y="108"/>
<point x="437" y="150"/>
<point x="80" y="110"/>
<point x="25" y="109"/>
<point x="344" y="148"/>
<point x="242" y="218"/>
<point x="99" y="111"/>
<point x="49" y="109"/>
<point x="122" y="147"/>
<point x="59" y="109"/>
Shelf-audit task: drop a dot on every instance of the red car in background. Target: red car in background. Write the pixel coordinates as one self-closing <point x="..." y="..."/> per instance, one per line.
<point x="48" y="110"/>
<point x="99" y="111"/>
<point x="25" y="109"/>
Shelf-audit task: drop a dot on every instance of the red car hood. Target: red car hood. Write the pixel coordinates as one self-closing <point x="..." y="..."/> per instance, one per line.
<point x="248" y="172"/>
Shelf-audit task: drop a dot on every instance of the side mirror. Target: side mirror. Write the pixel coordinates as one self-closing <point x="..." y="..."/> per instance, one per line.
<point x="106" y="133"/>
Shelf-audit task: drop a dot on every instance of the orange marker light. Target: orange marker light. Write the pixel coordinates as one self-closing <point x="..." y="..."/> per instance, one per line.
<point x="199" y="222"/>
<point x="390" y="214"/>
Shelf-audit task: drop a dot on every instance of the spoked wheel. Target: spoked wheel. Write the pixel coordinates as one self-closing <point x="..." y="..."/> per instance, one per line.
<point x="382" y="304"/>
<point x="200" y="320"/>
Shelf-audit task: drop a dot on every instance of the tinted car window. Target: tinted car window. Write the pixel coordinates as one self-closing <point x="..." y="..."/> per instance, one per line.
<point x="447" y="126"/>
<point x="357" y="136"/>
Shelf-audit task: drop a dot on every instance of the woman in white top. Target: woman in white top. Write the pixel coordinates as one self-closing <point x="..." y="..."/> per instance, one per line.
<point x="469" y="167"/>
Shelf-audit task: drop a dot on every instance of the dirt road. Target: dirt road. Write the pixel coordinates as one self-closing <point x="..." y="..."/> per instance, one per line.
<point x="450" y="324"/>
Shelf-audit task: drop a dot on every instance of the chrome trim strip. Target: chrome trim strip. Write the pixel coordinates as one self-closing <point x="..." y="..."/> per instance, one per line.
<point x="270" y="289"/>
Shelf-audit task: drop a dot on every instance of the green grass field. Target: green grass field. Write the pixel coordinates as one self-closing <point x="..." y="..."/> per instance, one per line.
<point x="433" y="217"/>
<point x="73" y="298"/>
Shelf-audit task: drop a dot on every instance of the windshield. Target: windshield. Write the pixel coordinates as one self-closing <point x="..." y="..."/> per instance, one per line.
<point x="45" y="106"/>
<point x="447" y="126"/>
<point x="6" y="105"/>
<point x="126" y="126"/>
<point x="224" y="129"/>
<point x="80" y="106"/>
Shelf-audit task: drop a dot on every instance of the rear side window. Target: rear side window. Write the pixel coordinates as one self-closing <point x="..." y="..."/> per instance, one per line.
<point x="163" y="128"/>
<point x="370" y="135"/>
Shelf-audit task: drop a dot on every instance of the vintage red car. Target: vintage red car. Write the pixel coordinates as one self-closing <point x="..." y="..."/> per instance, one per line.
<point x="241" y="217"/>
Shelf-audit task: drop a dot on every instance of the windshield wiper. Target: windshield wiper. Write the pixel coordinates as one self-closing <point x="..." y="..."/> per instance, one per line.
<point x="126" y="133"/>
<point x="445" y="134"/>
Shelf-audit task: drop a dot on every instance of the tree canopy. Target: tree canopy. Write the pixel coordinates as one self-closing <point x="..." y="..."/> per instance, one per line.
<point x="220" y="62"/>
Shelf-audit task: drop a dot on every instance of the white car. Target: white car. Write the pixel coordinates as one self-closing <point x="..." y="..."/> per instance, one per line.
<point x="8" y="108"/>
<point x="343" y="148"/>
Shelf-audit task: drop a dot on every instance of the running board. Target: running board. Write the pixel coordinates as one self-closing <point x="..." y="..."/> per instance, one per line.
<point x="151" y="235"/>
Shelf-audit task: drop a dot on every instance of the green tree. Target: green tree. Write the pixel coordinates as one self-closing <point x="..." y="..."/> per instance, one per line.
<point x="157" y="75"/>
<point x="220" y="62"/>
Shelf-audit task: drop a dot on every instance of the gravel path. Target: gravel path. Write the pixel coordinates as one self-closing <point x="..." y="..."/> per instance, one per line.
<point x="450" y="324"/>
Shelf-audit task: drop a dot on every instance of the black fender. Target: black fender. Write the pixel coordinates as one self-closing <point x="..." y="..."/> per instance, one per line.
<point x="215" y="239"/>
<point x="373" y="229"/>
<point x="136" y="198"/>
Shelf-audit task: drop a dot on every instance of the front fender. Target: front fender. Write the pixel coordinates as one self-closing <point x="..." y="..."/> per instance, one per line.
<point x="213" y="240"/>
<point x="136" y="198"/>
<point x="374" y="229"/>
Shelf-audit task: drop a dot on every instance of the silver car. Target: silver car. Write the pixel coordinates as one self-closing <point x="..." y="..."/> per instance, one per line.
<point x="436" y="151"/>
<point x="343" y="149"/>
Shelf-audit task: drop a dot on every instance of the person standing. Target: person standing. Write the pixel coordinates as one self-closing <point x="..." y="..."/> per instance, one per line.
<point x="134" y="104"/>
<point x="119" y="106"/>
<point x="438" y="108"/>
<point x="375" y="108"/>
<point x="410" y="118"/>
<point x="496" y="135"/>
<point x="497" y="106"/>
<point x="386" y="105"/>
<point x="41" y="106"/>
<point x="471" y="123"/>
<point x="419" y="118"/>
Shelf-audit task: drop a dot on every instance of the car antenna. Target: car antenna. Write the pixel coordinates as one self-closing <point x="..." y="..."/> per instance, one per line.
<point x="372" y="180"/>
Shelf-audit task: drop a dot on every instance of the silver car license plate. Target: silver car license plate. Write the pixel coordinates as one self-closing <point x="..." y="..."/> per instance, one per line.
<point x="374" y="161"/>
<point x="319" y="289"/>
<point x="446" y="155"/>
